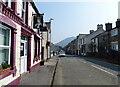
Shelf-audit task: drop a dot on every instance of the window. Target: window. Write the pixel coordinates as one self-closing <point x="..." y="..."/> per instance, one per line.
<point x="4" y="44"/>
<point x="96" y="40"/>
<point x="114" y="32"/>
<point x="114" y="45"/>
<point x="24" y="44"/>
<point x="7" y="3"/>
<point x="82" y="40"/>
<point x="35" y="48"/>
<point x="23" y="10"/>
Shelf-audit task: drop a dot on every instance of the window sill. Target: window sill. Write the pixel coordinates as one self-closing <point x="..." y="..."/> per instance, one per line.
<point x="7" y="74"/>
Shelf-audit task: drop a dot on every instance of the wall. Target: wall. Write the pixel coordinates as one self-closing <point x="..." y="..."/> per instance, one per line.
<point x="90" y="36"/>
<point x="10" y="78"/>
<point x="44" y="41"/>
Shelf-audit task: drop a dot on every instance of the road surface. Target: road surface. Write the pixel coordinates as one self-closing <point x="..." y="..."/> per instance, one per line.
<point x="73" y="70"/>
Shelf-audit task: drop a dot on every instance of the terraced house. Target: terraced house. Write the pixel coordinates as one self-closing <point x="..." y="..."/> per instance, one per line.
<point x="86" y="41"/>
<point x="108" y="43"/>
<point x="115" y="37"/>
<point x="21" y="27"/>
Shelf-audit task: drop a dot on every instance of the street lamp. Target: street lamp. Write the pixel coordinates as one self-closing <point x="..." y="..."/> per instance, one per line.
<point x="50" y="34"/>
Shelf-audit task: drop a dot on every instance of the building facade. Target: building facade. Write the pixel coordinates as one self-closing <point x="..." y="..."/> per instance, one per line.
<point x="21" y="39"/>
<point x="108" y="42"/>
<point x="87" y="48"/>
<point x="115" y="37"/>
<point x="46" y="41"/>
<point x="81" y="43"/>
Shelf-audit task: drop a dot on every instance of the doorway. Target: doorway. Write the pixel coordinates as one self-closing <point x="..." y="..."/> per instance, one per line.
<point x="23" y="54"/>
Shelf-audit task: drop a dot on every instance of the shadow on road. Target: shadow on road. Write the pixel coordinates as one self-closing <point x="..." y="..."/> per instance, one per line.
<point x="98" y="62"/>
<point x="104" y="64"/>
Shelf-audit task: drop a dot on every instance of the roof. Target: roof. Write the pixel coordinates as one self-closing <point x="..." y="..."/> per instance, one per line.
<point x="115" y="28"/>
<point x="34" y="6"/>
<point x="81" y="36"/>
<point x="95" y="32"/>
<point x="101" y="34"/>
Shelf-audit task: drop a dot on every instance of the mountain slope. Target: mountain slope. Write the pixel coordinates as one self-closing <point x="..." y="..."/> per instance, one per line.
<point x="55" y="48"/>
<point x="64" y="42"/>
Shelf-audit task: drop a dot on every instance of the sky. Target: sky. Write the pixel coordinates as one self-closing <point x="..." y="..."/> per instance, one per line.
<point x="78" y="17"/>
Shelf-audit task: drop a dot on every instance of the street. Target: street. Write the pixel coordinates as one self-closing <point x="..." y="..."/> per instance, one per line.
<point x="73" y="70"/>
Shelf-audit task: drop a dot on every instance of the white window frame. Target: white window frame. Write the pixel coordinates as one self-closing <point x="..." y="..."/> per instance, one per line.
<point x="114" y="44"/>
<point x="6" y="47"/>
<point x="114" y="32"/>
<point x="23" y="10"/>
<point x="9" y="3"/>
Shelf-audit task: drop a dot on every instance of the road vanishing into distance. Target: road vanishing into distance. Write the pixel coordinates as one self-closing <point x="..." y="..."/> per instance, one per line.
<point x="74" y="70"/>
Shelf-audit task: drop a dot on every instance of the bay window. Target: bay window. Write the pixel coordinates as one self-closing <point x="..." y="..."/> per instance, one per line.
<point x="4" y="44"/>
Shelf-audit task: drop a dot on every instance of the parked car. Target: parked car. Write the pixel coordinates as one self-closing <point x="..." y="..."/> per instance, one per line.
<point x="62" y="55"/>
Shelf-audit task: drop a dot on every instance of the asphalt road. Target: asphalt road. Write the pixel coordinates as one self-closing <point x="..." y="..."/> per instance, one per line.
<point x="72" y="70"/>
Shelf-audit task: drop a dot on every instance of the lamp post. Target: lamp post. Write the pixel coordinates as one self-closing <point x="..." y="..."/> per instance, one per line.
<point x="50" y="35"/>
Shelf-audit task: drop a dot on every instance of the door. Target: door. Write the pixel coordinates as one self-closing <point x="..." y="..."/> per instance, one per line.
<point x="23" y="64"/>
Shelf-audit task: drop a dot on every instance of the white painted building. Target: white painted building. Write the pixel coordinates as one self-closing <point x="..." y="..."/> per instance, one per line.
<point x="46" y="41"/>
<point x="20" y="44"/>
<point x="86" y="40"/>
<point x="92" y="35"/>
<point x="81" y="42"/>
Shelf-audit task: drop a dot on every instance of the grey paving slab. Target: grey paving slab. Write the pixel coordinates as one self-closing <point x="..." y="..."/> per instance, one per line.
<point x="41" y="75"/>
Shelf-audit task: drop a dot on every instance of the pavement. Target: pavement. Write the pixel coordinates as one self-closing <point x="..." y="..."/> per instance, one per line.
<point x="42" y="75"/>
<point x="73" y="70"/>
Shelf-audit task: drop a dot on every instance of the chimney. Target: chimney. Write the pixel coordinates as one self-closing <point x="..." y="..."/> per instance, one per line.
<point x="77" y="36"/>
<point x="99" y="26"/>
<point x="108" y="26"/>
<point x="118" y="23"/>
<point x="91" y="31"/>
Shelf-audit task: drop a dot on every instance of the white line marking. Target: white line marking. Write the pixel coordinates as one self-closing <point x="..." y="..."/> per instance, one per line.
<point x="103" y="70"/>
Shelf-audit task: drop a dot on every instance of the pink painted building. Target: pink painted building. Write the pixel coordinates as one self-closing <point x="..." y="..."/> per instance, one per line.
<point x="20" y="43"/>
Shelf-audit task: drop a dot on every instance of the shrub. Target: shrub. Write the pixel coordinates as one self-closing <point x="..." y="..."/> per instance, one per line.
<point x="5" y="65"/>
